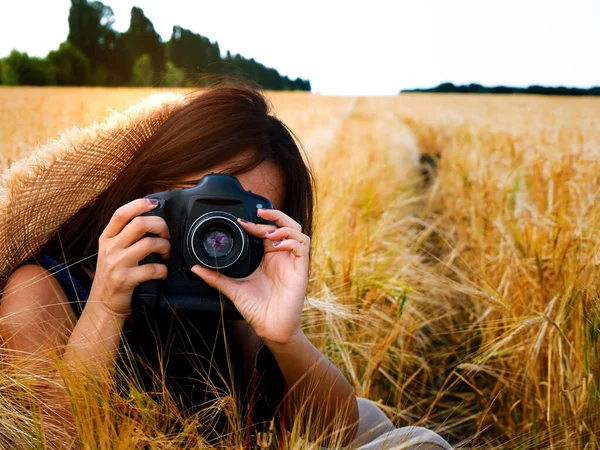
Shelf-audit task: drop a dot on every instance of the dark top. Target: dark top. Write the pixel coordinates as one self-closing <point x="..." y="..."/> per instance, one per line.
<point x="193" y="352"/>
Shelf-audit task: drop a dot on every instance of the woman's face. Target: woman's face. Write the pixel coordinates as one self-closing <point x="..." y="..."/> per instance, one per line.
<point x="265" y="179"/>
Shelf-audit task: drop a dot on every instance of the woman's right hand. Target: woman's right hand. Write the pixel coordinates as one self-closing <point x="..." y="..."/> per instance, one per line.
<point x="121" y="247"/>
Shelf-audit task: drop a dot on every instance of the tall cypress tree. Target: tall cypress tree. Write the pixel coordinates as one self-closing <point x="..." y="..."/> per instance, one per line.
<point x="90" y="30"/>
<point x="141" y="38"/>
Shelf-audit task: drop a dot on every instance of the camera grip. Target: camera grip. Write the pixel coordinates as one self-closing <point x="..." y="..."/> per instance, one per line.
<point x="147" y="293"/>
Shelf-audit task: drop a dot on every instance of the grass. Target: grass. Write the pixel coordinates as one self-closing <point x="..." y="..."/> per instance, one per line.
<point x="469" y="306"/>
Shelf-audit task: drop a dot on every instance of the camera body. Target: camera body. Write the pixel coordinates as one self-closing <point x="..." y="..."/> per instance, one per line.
<point x="203" y="230"/>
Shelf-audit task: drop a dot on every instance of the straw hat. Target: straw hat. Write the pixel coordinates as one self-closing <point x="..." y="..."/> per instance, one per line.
<point x="42" y="191"/>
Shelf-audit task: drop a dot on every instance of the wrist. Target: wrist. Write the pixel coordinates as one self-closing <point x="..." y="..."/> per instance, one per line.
<point x="101" y="309"/>
<point x="293" y="342"/>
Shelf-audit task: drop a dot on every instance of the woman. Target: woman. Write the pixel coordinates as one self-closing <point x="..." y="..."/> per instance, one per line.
<point x="274" y="366"/>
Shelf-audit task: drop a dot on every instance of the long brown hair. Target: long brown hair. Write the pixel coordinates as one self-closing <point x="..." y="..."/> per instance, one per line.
<point x="214" y="126"/>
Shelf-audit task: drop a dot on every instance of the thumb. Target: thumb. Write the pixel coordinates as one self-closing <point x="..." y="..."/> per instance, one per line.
<point x="226" y="285"/>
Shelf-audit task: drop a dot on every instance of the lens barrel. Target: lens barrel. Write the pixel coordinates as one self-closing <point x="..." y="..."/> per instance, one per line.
<point x="216" y="241"/>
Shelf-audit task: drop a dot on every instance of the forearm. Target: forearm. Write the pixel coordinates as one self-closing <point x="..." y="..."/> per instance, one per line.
<point x="45" y="369"/>
<point x="317" y="389"/>
<point x="41" y="388"/>
<point x="90" y="351"/>
<point x="94" y="343"/>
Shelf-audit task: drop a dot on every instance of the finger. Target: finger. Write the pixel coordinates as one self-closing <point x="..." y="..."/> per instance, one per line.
<point x="138" y="227"/>
<point x="299" y="250"/>
<point x="145" y="247"/>
<point x="279" y="217"/>
<point x="215" y="279"/>
<point x="279" y="234"/>
<point x="256" y="229"/>
<point x="124" y="214"/>
<point x="147" y="272"/>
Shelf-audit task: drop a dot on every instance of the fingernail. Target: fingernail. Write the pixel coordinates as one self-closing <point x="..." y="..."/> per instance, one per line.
<point x="271" y="231"/>
<point x="152" y="201"/>
<point x="275" y="244"/>
<point x="242" y="220"/>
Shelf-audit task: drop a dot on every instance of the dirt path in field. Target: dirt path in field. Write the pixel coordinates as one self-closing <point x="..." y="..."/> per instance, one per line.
<point x="368" y="128"/>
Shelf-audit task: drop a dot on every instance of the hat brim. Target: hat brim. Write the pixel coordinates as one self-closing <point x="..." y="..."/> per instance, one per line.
<point x="43" y="190"/>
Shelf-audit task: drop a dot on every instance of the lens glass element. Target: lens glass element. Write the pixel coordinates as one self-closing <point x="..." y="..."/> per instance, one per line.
<point x="218" y="242"/>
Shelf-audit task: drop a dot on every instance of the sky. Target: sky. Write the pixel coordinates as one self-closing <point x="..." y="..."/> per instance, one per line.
<point x="370" y="47"/>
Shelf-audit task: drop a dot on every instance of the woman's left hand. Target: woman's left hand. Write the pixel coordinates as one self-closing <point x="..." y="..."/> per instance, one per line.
<point x="271" y="298"/>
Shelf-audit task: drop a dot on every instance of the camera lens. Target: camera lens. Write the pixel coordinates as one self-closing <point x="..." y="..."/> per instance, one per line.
<point x="216" y="241"/>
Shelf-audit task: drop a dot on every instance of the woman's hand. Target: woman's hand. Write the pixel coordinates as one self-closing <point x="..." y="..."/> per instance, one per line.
<point x="271" y="298"/>
<point x="120" y="248"/>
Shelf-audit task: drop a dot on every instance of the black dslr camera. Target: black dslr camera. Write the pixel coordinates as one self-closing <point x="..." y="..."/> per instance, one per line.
<point x="204" y="230"/>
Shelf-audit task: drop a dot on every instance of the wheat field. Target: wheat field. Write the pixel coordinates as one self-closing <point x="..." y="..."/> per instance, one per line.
<point x="468" y="305"/>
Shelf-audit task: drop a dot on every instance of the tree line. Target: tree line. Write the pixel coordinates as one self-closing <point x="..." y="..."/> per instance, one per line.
<point x="535" y="89"/>
<point x="94" y="54"/>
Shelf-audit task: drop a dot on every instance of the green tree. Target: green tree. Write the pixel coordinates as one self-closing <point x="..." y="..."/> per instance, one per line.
<point x="118" y="60"/>
<point x="173" y="76"/>
<point x="267" y="77"/>
<point x="69" y="66"/>
<point x="90" y="24"/>
<point x="192" y="52"/>
<point x="8" y="76"/>
<point x="20" y="68"/>
<point x="141" y="38"/>
<point x="142" y="71"/>
<point x="90" y="30"/>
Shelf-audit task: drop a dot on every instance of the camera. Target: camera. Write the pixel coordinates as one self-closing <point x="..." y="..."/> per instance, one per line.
<point x="203" y="229"/>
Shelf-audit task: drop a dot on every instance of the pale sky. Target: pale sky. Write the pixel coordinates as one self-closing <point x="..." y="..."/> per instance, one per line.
<point x="370" y="47"/>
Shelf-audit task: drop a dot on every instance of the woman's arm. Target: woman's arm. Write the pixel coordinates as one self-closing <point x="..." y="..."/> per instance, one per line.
<point x="271" y="300"/>
<point x="94" y="343"/>
<point x="36" y="318"/>
<point x="124" y="242"/>
<point x="318" y="388"/>
<point x="37" y="325"/>
<point x="319" y="391"/>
